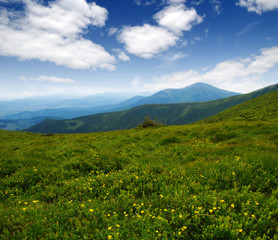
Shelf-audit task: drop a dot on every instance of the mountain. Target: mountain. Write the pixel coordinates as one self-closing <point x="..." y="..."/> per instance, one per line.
<point x="171" y="114"/>
<point x="71" y="108"/>
<point x="17" y="125"/>
<point x="197" y="92"/>
<point x="51" y="106"/>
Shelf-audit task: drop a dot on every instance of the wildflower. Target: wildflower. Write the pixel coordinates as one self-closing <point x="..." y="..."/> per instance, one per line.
<point x="214" y="208"/>
<point x="91" y="210"/>
<point x="82" y="205"/>
<point x="165" y="210"/>
<point x="257" y="203"/>
<point x="240" y="230"/>
<point x="23" y="209"/>
<point x="210" y="210"/>
<point x="25" y="203"/>
<point x="200" y="208"/>
<point x="109" y="228"/>
<point x="161" y="195"/>
<point x="109" y="237"/>
<point x="117" y="225"/>
<point x="180" y="216"/>
<point x="232" y="205"/>
<point x="196" y="212"/>
<point x="246" y="214"/>
<point x="179" y="233"/>
<point x="222" y="200"/>
<point x="35" y="201"/>
<point x="253" y="216"/>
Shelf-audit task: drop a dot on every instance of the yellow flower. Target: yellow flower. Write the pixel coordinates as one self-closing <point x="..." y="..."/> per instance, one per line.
<point x="91" y="210"/>
<point x="222" y="200"/>
<point x="179" y="233"/>
<point x="173" y="210"/>
<point x="246" y="214"/>
<point x="23" y="209"/>
<point x="35" y="201"/>
<point x="109" y="228"/>
<point x="180" y="216"/>
<point x="257" y="203"/>
<point x="240" y="230"/>
<point x="196" y="212"/>
<point x="232" y="205"/>
<point x="253" y="216"/>
<point x="117" y="225"/>
<point x="210" y="210"/>
<point x="214" y="208"/>
<point x="165" y="210"/>
<point x="109" y="237"/>
<point x="200" y="208"/>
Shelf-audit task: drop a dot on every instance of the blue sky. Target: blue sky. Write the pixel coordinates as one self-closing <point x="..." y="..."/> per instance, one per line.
<point x="78" y="47"/>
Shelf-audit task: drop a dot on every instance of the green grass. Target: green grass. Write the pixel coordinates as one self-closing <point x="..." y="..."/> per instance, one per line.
<point x="200" y="181"/>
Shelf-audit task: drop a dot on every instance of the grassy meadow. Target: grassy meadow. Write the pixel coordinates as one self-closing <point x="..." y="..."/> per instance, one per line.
<point x="197" y="181"/>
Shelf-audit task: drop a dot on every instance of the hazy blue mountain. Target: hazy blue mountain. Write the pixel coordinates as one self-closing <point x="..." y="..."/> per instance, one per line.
<point x="71" y="108"/>
<point x="33" y="106"/>
<point x="171" y="114"/>
<point x="16" y="125"/>
<point x="198" y="92"/>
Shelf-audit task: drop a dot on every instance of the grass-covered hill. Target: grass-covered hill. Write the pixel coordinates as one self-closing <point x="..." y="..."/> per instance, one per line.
<point x="198" y="181"/>
<point x="261" y="108"/>
<point x="171" y="114"/>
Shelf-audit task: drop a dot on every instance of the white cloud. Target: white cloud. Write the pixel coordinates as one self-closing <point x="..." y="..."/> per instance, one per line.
<point x="53" y="79"/>
<point x="112" y="31"/>
<point x="172" y="58"/>
<point x="177" y="18"/>
<point x="74" y="91"/>
<point x="216" y="4"/>
<point x="236" y="75"/>
<point x="144" y="2"/>
<point x="259" y="6"/>
<point x="54" y="33"/>
<point x="122" y="55"/>
<point x="146" y="41"/>
<point x="176" y="1"/>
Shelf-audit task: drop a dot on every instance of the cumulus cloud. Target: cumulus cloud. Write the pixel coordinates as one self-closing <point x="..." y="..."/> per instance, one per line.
<point x="259" y="6"/>
<point x="177" y="18"/>
<point x="235" y="74"/>
<point x="54" y="33"/>
<point x="146" y="41"/>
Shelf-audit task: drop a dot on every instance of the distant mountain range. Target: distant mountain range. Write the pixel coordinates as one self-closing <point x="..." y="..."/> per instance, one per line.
<point x="171" y="114"/>
<point x="81" y="107"/>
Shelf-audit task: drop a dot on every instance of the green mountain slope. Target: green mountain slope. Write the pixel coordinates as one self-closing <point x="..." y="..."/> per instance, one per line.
<point x="171" y="114"/>
<point x="196" y="181"/>
<point x="261" y="108"/>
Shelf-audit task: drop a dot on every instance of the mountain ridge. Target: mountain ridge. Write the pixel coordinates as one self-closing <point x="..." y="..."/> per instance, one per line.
<point x="171" y="114"/>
